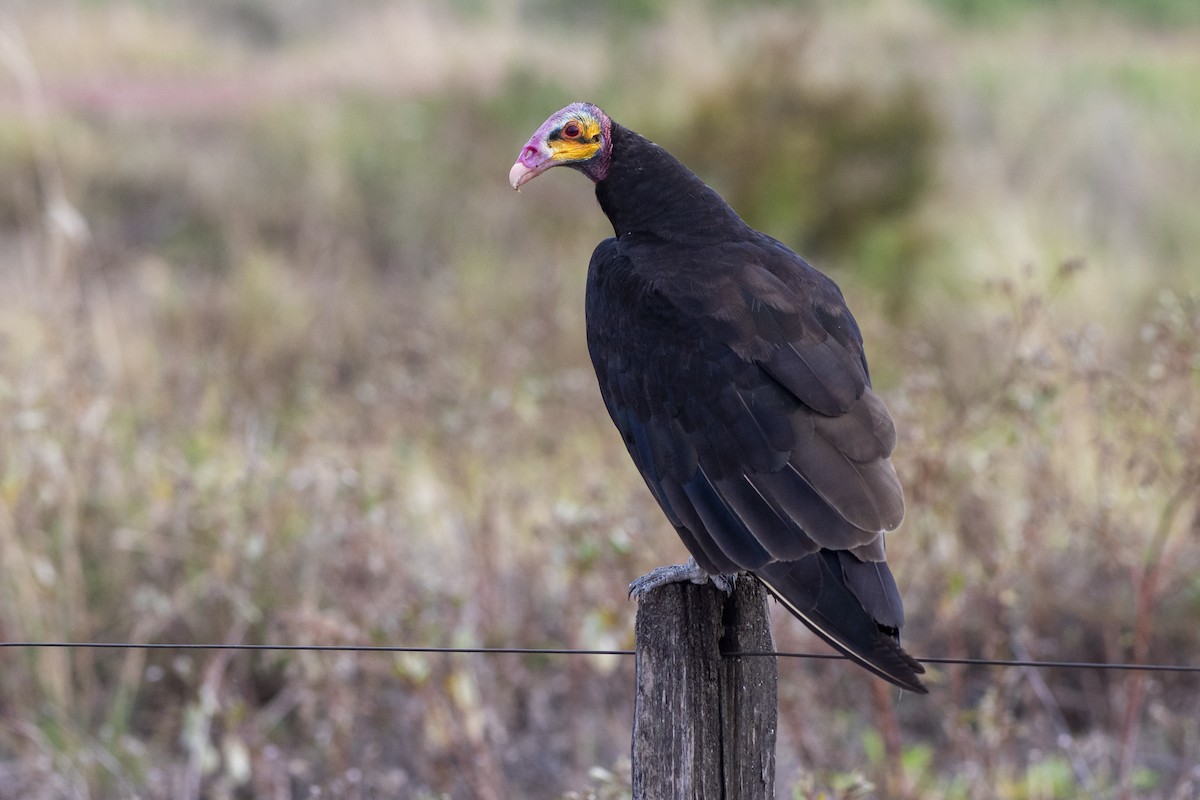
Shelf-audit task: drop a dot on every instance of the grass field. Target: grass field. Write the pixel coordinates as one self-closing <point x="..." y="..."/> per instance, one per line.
<point x="284" y="360"/>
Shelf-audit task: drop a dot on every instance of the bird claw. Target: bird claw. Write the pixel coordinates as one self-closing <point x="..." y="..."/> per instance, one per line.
<point x="688" y="571"/>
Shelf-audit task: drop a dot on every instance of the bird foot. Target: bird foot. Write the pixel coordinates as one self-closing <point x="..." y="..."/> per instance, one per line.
<point x="678" y="573"/>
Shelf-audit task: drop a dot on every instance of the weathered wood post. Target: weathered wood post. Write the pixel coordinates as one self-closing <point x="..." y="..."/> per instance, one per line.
<point x="704" y="724"/>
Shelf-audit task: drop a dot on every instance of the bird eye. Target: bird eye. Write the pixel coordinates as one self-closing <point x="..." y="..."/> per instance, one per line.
<point x="571" y="130"/>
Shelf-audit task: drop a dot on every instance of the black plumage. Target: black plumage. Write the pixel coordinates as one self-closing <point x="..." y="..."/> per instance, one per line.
<point x="736" y="376"/>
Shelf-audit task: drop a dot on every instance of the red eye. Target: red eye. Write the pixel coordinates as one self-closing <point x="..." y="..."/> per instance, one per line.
<point x="571" y="130"/>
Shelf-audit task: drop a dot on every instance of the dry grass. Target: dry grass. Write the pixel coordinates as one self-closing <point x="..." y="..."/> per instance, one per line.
<point x="282" y="359"/>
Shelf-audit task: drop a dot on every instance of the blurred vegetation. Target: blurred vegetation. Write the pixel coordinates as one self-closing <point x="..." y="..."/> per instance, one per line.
<point x="832" y="169"/>
<point x="283" y="359"/>
<point x="1151" y="13"/>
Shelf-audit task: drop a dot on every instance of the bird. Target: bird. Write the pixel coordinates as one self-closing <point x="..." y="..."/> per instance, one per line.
<point x="736" y="376"/>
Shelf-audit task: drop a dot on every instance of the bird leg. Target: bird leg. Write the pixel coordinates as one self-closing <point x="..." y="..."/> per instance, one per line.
<point x="678" y="573"/>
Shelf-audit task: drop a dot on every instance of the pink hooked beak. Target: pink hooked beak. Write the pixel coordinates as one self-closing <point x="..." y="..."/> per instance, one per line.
<point x="535" y="159"/>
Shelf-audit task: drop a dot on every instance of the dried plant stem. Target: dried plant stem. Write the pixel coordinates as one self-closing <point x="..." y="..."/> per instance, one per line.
<point x="1147" y="582"/>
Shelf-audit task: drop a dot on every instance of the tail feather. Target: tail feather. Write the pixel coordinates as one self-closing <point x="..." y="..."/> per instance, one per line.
<point x="814" y="588"/>
<point x="872" y="583"/>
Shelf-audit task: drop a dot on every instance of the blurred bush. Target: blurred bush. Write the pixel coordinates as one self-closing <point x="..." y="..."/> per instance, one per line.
<point x="836" y="170"/>
<point x="1157" y="13"/>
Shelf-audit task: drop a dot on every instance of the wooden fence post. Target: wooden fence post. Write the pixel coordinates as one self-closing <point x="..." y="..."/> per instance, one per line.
<point x="704" y="724"/>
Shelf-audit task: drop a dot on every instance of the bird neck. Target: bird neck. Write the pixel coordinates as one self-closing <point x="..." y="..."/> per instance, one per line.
<point x="647" y="190"/>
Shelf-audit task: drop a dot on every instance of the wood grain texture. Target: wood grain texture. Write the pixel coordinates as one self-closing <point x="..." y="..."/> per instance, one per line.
<point x="704" y="725"/>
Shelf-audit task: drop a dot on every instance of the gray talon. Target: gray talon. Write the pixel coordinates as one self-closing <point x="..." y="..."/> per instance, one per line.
<point x="688" y="571"/>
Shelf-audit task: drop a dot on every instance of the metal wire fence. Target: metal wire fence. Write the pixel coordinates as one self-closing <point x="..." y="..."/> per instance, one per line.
<point x="568" y="651"/>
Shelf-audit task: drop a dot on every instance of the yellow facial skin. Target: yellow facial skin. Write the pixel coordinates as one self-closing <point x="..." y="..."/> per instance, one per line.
<point x="577" y="140"/>
<point x="571" y="136"/>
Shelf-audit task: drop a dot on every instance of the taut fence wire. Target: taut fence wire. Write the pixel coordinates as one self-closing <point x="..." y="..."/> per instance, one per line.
<point x="570" y="651"/>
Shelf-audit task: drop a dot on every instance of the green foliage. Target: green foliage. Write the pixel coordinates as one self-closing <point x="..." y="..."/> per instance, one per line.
<point x="617" y="13"/>
<point x="1157" y="13"/>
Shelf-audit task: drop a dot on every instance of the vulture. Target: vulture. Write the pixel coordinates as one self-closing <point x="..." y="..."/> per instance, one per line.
<point x="736" y="376"/>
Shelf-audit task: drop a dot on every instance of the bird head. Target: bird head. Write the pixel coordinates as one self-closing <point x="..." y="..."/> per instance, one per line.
<point x="578" y="136"/>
